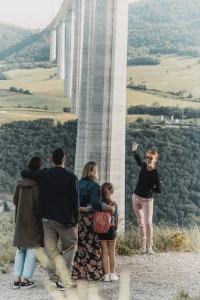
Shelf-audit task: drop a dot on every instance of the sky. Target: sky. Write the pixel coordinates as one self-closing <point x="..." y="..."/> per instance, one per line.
<point x="30" y="13"/>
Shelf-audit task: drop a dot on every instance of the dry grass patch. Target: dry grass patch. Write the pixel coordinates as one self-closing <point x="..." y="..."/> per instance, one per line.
<point x="166" y="239"/>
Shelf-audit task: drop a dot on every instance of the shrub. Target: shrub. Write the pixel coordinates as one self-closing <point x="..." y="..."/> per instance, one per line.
<point x="166" y="239"/>
<point x="181" y="241"/>
<point x="13" y="89"/>
<point x="66" y="109"/>
<point x="143" y="61"/>
<point x="27" y="92"/>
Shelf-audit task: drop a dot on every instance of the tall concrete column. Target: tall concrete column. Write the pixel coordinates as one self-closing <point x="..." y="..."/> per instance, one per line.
<point x="85" y="85"/>
<point x="69" y="54"/>
<point x="61" y="51"/>
<point x="101" y="126"/>
<point x="78" y="47"/>
<point x="53" y="45"/>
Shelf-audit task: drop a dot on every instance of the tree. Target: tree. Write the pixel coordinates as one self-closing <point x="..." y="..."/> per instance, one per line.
<point x="66" y="109"/>
<point x="140" y="120"/>
<point x="190" y="95"/>
<point x="13" y="89"/>
<point x="27" y="92"/>
<point x="155" y="104"/>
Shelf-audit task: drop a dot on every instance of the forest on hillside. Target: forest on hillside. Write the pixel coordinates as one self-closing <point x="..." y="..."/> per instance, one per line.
<point x="179" y="163"/>
<point x="165" y="26"/>
<point x="22" y="45"/>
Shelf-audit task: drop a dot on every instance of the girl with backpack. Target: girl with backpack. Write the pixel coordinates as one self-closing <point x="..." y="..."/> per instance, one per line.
<point x="108" y="240"/>
<point x="88" y="259"/>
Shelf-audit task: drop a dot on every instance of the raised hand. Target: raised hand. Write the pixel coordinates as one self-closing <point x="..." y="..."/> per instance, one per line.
<point x="134" y="147"/>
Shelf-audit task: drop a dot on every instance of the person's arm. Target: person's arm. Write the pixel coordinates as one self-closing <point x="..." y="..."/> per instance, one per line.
<point x="157" y="186"/>
<point x="84" y="209"/>
<point x="96" y="202"/>
<point x="136" y="155"/>
<point x="116" y="214"/>
<point x="138" y="159"/>
<point x="74" y="197"/>
<point x="36" y="175"/>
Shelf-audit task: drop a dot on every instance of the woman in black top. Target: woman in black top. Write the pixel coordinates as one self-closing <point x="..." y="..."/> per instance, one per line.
<point x="148" y="184"/>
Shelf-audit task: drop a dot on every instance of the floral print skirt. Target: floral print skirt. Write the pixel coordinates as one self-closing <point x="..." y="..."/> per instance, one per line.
<point x="88" y="259"/>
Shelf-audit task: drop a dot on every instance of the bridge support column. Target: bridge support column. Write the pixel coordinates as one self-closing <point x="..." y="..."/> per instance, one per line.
<point x="102" y="112"/>
<point x="85" y="85"/>
<point x="61" y="51"/>
<point x="69" y="54"/>
<point x="78" y="47"/>
<point x="53" y="45"/>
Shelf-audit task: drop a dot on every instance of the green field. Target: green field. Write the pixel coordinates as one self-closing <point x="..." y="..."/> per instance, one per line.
<point x="173" y="74"/>
<point x="183" y="73"/>
<point x="46" y="92"/>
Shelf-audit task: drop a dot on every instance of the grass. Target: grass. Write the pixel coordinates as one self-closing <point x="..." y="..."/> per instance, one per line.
<point x="184" y="295"/>
<point x="142" y="98"/>
<point x="179" y="76"/>
<point x="20" y="114"/>
<point x="37" y="81"/>
<point x="49" y="91"/>
<point x="7" y="252"/>
<point x="166" y="239"/>
<point x="10" y="99"/>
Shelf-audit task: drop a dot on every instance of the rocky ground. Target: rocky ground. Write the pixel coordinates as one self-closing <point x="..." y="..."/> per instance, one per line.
<point x="157" y="277"/>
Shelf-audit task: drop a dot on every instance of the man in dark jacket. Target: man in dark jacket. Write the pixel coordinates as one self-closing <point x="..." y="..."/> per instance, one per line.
<point x="59" y="209"/>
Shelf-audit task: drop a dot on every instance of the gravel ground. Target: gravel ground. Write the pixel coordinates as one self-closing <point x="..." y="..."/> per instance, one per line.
<point x="156" y="277"/>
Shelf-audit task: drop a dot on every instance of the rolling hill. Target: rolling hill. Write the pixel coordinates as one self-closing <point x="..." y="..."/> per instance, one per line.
<point x="22" y="45"/>
<point x="165" y="26"/>
<point x="155" y="26"/>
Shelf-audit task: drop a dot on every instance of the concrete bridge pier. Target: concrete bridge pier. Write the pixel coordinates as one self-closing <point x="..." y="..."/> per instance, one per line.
<point x="77" y="59"/>
<point x="69" y="53"/>
<point x="61" y="51"/>
<point x="53" y="45"/>
<point x="102" y="110"/>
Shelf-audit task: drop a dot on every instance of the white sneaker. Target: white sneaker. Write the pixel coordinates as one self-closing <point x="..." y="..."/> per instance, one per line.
<point x="106" y="277"/>
<point x="150" y="250"/>
<point x="113" y="277"/>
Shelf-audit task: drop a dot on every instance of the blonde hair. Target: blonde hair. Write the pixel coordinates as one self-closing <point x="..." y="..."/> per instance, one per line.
<point x="90" y="171"/>
<point x="107" y="190"/>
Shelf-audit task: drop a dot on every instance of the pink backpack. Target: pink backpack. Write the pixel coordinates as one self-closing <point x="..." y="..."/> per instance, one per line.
<point x="102" y="221"/>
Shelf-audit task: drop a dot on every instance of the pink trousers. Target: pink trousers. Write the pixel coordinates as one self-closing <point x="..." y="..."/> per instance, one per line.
<point x="143" y="209"/>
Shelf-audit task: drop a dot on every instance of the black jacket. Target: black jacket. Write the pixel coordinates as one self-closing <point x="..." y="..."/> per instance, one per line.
<point x="149" y="181"/>
<point x="58" y="194"/>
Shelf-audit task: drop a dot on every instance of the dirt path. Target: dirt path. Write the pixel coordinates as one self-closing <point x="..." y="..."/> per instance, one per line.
<point x="157" y="277"/>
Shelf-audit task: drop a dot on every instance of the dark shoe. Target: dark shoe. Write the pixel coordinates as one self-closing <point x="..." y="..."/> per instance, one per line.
<point x="68" y="285"/>
<point x="16" y="285"/>
<point x="60" y="286"/>
<point x="27" y="285"/>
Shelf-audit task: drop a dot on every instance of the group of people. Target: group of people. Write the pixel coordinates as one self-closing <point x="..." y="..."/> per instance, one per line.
<point x="52" y="206"/>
